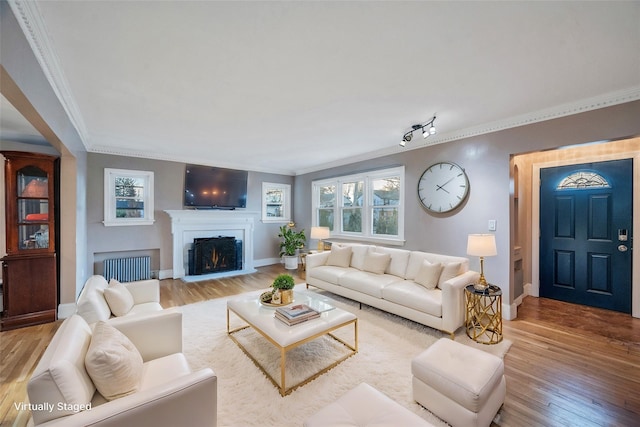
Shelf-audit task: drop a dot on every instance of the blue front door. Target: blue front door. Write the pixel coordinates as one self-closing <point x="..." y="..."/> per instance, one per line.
<point x="585" y="234"/>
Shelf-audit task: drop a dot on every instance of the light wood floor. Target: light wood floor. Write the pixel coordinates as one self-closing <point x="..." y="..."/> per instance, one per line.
<point x="569" y="365"/>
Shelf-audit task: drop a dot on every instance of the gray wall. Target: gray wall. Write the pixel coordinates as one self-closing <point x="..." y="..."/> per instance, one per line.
<point x="486" y="159"/>
<point x="156" y="239"/>
<point x="27" y="88"/>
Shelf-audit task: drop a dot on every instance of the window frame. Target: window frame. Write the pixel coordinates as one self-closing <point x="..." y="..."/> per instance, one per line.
<point x="367" y="207"/>
<point x="110" y="216"/>
<point x="286" y="203"/>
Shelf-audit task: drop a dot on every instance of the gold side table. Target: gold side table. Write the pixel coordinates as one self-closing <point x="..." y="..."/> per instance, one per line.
<point x="483" y="316"/>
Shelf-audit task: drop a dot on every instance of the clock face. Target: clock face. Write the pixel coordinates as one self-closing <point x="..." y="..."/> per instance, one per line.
<point x="443" y="187"/>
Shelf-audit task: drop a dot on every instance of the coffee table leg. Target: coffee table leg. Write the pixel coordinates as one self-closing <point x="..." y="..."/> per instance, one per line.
<point x="283" y="361"/>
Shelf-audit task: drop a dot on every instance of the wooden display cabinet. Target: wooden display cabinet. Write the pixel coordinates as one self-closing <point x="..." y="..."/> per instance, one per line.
<point x="29" y="271"/>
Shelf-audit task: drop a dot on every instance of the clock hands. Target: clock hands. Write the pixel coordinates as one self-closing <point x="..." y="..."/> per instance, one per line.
<point x="441" y="187"/>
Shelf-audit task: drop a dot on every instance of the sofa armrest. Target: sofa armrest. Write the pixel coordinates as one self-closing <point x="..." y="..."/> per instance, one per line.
<point x="144" y="290"/>
<point x="453" y="300"/>
<point x="317" y="259"/>
<point x="188" y="400"/>
<point x="156" y="334"/>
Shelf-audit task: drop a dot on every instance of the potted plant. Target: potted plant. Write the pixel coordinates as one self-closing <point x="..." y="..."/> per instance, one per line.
<point x="291" y="242"/>
<point x="284" y="284"/>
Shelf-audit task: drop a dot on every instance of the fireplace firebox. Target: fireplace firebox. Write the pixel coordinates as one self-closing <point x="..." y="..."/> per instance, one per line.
<point x="215" y="255"/>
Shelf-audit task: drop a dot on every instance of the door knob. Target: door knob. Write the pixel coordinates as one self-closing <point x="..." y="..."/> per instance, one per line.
<point x="622" y="248"/>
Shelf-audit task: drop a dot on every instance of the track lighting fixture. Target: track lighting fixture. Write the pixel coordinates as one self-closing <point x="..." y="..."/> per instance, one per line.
<point x="427" y="129"/>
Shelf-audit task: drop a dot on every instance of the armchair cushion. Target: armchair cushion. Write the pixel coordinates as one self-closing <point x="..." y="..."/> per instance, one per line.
<point x="113" y="362"/>
<point x="119" y="298"/>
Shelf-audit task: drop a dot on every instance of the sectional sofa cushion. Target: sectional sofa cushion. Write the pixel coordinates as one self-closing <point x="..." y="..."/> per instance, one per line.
<point x="358" y="254"/>
<point x="429" y="274"/>
<point x="376" y="263"/>
<point x="366" y="282"/>
<point x="408" y="293"/>
<point x="399" y="260"/>
<point x="449" y="271"/>
<point x="113" y="362"/>
<point x="340" y="256"/>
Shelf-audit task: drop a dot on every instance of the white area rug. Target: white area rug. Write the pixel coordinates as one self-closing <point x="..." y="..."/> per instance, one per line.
<point x="387" y="344"/>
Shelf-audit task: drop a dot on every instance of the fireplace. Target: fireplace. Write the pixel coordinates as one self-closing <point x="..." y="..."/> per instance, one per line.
<point x="215" y="255"/>
<point x="189" y="225"/>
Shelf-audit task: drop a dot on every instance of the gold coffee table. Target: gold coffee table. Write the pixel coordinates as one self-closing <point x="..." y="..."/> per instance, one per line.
<point x="286" y="338"/>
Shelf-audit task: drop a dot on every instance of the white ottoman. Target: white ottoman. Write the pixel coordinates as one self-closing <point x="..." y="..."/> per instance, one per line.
<point x="365" y="406"/>
<point x="462" y="385"/>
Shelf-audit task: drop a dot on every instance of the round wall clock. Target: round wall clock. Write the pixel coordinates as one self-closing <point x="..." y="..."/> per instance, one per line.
<point x="443" y="187"/>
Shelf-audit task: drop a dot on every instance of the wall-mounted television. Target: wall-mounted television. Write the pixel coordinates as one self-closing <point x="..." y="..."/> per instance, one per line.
<point x="208" y="187"/>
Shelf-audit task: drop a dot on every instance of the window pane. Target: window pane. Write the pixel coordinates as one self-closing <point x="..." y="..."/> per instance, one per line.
<point x="352" y="193"/>
<point x="129" y="208"/>
<point x="385" y="221"/>
<point x="327" y="196"/>
<point x="325" y="218"/>
<point x="386" y="191"/>
<point x="129" y="187"/>
<point x="352" y="220"/>
<point x="274" y="196"/>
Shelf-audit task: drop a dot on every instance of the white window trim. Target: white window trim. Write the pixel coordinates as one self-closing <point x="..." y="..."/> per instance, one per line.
<point x="286" y="204"/>
<point x="367" y="208"/>
<point x="110" y="218"/>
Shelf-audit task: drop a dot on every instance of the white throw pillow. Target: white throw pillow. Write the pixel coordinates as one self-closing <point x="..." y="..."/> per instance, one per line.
<point x="429" y="274"/>
<point x="340" y="256"/>
<point x="119" y="298"/>
<point x="113" y="362"/>
<point x="449" y="271"/>
<point x="376" y="263"/>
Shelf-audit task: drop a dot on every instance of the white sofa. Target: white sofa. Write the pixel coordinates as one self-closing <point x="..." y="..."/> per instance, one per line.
<point x="388" y="279"/>
<point x="93" y="307"/>
<point x="168" y="393"/>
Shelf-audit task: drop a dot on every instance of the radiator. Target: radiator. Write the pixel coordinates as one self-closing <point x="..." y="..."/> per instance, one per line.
<point x="128" y="269"/>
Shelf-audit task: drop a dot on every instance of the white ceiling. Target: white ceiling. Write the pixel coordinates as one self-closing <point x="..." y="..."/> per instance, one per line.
<point x="295" y="86"/>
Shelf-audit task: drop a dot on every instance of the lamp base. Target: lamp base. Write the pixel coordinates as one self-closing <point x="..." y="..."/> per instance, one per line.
<point x="480" y="286"/>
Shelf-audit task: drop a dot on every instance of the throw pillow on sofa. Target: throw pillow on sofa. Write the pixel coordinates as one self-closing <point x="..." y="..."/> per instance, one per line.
<point x="375" y="262"/>
<point x="450" y="270"/>
<point x="340" y="256"/>
<point x="113" y="362"/>
<point x="429" y="274"/>
<point x="119" y="298"/>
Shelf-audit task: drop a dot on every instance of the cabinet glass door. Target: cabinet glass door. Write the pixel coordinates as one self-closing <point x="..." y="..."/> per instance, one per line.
<point x="33" y="208"/>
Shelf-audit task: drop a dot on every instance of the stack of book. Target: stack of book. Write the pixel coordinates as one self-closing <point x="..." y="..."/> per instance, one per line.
<point x="295" y="314"/>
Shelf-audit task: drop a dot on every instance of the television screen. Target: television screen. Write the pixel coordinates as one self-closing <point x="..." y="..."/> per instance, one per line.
<point x="212" y="187"/>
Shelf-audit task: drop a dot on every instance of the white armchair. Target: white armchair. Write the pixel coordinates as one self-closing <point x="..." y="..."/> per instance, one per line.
<point x="93" y="306"/>
<point x="62" y="393"/>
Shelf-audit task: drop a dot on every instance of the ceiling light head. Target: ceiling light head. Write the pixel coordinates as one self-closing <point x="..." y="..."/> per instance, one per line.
<point x="432" y="129"/>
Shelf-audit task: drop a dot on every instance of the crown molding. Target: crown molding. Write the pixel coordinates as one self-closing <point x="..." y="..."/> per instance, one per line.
<point x="563" y="110"/>
<point x="30" y="19"/>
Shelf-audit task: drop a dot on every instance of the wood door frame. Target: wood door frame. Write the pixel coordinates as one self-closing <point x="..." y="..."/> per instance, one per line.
<point x="535" y="219"/>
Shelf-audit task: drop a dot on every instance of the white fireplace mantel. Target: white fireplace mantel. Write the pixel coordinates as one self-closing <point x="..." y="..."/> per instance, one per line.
<point x="187" y="225"/>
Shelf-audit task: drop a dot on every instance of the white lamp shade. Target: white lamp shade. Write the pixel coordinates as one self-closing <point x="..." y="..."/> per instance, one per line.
<point x="481" y="245"/>
<point x="320" y="233"/>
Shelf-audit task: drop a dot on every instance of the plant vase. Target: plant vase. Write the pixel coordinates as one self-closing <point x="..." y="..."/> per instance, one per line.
<point x="290" y="262"/>
<point x="286" y="296"/>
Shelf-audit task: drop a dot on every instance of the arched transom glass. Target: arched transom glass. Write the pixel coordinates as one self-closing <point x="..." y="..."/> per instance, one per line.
<point x="583" y="179"/>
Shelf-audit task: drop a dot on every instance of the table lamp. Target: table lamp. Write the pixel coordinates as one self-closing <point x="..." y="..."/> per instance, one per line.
<point x="320" y="233"/>
<point x="481" y="245"/>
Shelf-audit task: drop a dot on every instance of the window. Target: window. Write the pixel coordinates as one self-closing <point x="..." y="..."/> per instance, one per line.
<point x="128" y="197"/>
<point x="276" y="202"/>
<point x="583" y="179"/>
<point x="367" y="206"/>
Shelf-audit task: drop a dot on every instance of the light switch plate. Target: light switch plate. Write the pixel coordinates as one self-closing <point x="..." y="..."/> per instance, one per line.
<point x="492" y="225"/>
